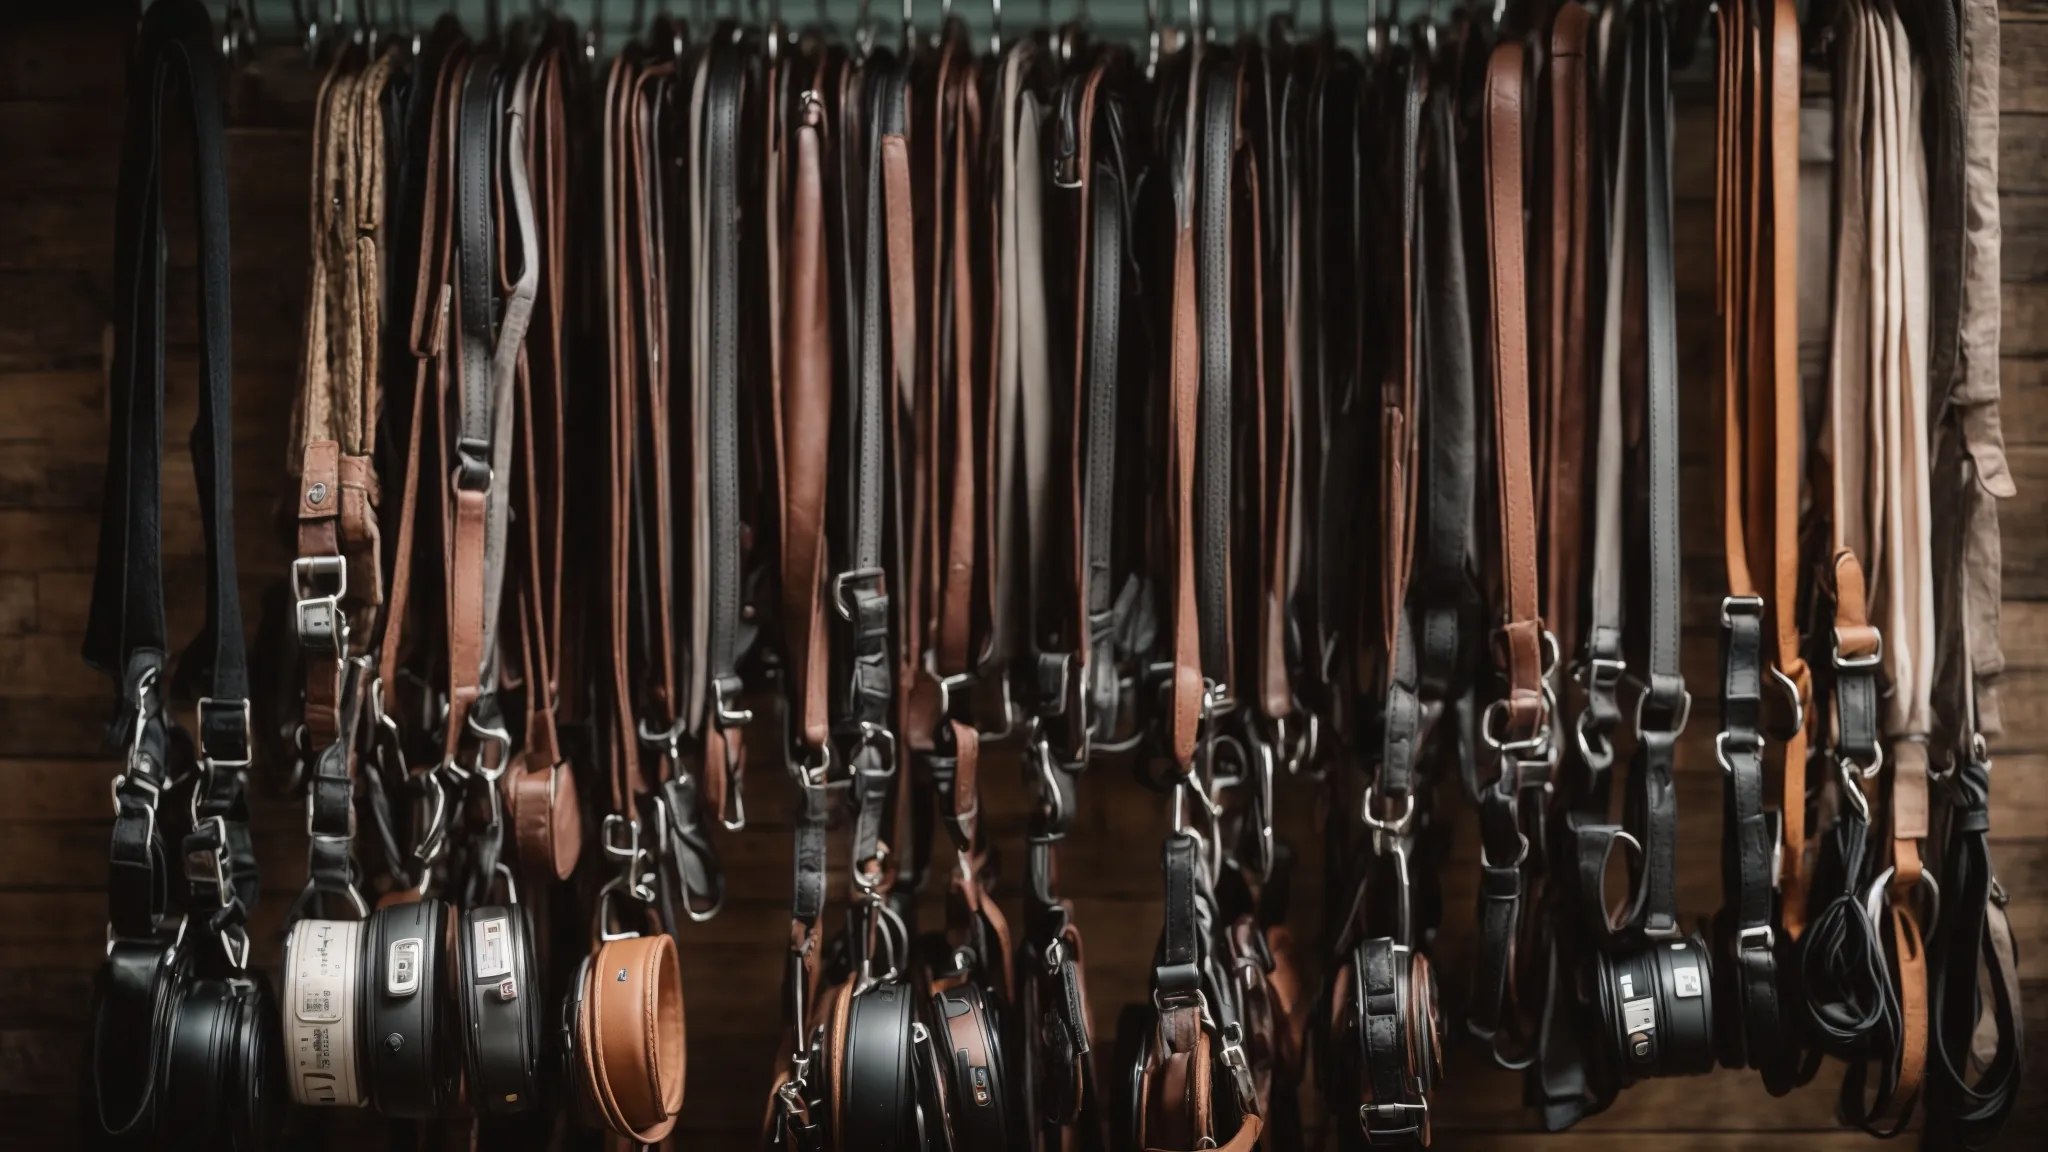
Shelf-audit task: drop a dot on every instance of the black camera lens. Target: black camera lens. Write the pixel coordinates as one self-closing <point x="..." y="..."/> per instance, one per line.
<point x="1657" y="1005"/>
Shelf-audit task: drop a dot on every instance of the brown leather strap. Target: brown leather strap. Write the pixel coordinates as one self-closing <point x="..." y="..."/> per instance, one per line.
<point x="430" y="339"/>
<point x="1185" y="380"/>
<point x="804" y="417"/>
<point x="1520" y="643"/>
<point x="542" y="798"/>
<point x="1785" y="439"/>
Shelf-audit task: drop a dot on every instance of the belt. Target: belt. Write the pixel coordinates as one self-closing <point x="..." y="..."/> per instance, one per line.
<point x="1516" y="727"/>
<point x="803" y="365"/>
<point x="542" y="797"/>
<point x="183" y="1045"/>
<point x="1760" y="344"/>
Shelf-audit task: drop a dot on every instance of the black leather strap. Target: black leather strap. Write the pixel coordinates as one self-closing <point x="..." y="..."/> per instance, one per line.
<point x="408" y="1037"/>
<point x="1444" y="592"/>
<point x="476" y="280"/>
<point x="1395" y="1112"/>
<point x="859" y="591"/>
<point x="1661" y="713"/>
<point x="1218" y="144"/>
<point x="176" y="53"/>
<point x="1754" y="1036"/>
<point x="1178" y="970"/>
<point x="1106" y="256"/>
<point x="1967" y="1104"/>
<point x="723" y="160"/>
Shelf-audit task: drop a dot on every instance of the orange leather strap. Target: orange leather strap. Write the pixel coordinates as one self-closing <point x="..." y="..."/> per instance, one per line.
<point x="1520" y="642"/>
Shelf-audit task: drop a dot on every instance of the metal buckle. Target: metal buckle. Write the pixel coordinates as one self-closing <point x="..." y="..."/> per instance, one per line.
<point x="199" y="735"/>
<point x="209" y="865"/>
<point x="495" y="734"/>
<point x="1602" y="673"/>
<point x="1733" y="606"/>
<point x="1874" y="898"/>
<point x="1791" y="690"/>
<point x="322" y="626"/>
<point x="842" y="579"/>
<point x="1395" y="827"/>
<point x="1752" y="742"/>
<point x="1683" y="712"/>
<point x="1761" y="932"/>
<point x="722" y="711"/>
<point x="1493" y="724"/>
<point x="234" y="940"/>
<point x="816" y="774"/>
<point x="1240" y="1069"/>
<point x="1164" y="1002"/>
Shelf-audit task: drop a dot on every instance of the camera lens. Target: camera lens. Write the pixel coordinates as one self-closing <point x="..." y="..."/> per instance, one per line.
<point x="1658" y="1005"/>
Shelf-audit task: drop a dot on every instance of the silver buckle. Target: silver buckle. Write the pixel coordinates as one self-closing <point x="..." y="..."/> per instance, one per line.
<point x="322" y="626"/>
<point x="199" y="736"/>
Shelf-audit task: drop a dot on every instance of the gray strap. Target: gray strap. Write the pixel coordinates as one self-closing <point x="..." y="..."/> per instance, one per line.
<point x="504" y="370"/>
<point x="1603" y="656"/>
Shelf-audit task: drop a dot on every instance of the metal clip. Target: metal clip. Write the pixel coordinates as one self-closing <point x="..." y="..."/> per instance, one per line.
<point x="1240" y="1068"/>
<point x="209" y="864"/>
<point x="205" y="755"/>
<point x="322" y="625"/>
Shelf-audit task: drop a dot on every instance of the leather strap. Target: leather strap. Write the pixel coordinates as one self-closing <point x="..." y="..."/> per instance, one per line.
<point x="1520" y="641"/>
<point x="126" y="633"/>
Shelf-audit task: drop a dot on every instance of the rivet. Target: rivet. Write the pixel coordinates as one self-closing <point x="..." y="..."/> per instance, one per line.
<point x="317" y="494"/>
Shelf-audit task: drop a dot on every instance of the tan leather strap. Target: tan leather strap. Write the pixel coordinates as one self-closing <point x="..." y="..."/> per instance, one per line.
<point x="337" y="575"/>
<point x="1520" y="642"/>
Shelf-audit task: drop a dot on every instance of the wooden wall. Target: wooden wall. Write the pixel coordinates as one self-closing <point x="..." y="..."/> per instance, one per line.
<point x="60" y="114"/>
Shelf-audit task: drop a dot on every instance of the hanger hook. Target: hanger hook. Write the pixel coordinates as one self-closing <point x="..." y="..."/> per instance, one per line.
<point x="995" y="27"/>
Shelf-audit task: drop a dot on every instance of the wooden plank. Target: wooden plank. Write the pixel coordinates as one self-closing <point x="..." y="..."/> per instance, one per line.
<point x="44" y="665"/>
<point x="2023" y="68"/>
<point x="2024" y="319"/>
<point x="2023" y="526"/>
<point x="54" y="321"/>
<point x="42" y="1061"/>
<point x="59" y="146"/>
<point x="17" y="603"/>
<point x="70" y="60"/>
<point x="2023" y="219"/>
<point x="2023" y="400"/>
<point x="2023" y="153"/>
<point x="66" y="407"/>
<point x="56" y="790"/>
